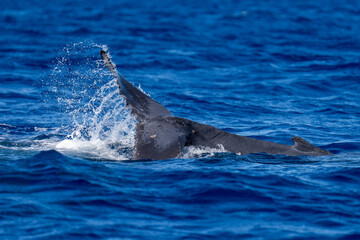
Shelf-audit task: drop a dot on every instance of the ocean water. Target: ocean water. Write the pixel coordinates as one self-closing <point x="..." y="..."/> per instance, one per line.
<point x="265" y="69"/>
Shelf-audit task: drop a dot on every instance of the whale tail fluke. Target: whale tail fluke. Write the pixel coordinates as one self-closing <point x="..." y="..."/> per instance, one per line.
<point x="142" y="106"/>
<point x="304" y="146"/>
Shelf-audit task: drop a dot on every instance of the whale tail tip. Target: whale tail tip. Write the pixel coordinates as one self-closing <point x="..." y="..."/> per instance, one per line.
<point x="108" y="63"/>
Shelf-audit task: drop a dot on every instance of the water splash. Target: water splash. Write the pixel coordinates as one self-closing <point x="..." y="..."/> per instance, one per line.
<point x="102" y="127"/>
<point x="99" y="125"/>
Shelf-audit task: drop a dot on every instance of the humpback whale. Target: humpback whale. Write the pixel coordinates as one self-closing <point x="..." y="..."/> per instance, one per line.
<point x="161" y="135"/>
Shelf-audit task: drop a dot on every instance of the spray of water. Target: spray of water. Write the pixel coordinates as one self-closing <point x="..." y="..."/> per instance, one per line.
<point x="98" y="125"/>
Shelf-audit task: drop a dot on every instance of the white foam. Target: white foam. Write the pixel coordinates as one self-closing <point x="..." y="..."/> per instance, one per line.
<point x="201" y="152"/>
<point x="96" y="148"/>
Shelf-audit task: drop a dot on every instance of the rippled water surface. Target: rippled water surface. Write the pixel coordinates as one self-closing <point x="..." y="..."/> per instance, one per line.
<point x="265" y="69"/>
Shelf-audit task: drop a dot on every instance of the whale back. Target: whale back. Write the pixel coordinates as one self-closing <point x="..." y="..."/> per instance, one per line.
<point x="166" y="137"/>
<point x="160" y="138"/>
<point x="160" y="135"/>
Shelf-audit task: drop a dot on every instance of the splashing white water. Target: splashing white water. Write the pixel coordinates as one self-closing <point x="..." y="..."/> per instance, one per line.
<point x="100" y="126"/>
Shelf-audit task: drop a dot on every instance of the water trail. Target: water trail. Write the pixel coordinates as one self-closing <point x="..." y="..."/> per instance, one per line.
<point x="97" y="124"/>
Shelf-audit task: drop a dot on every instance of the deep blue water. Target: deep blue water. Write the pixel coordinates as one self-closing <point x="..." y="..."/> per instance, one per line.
<point x="265" y="69"/>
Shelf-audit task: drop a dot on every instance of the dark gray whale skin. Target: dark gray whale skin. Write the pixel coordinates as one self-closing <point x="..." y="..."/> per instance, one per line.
<point x="160" y="135"/>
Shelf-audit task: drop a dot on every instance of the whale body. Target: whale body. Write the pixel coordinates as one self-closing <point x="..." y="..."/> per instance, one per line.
<point x="161" y="135"/>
